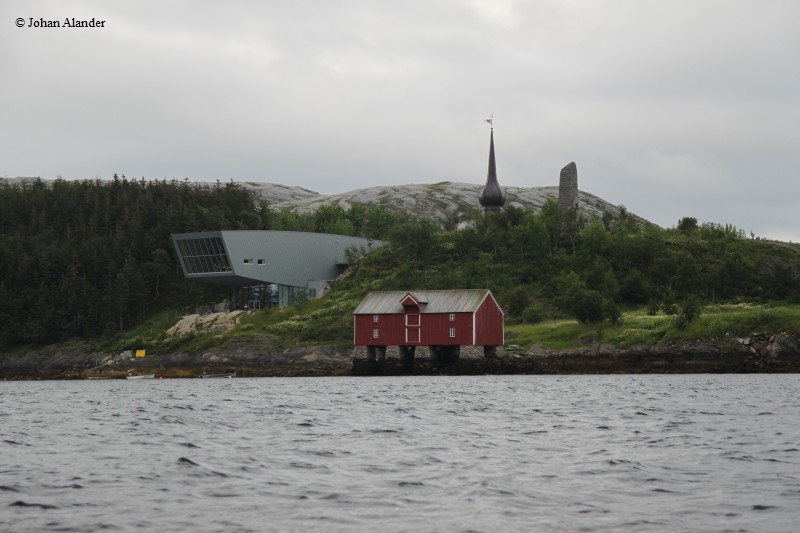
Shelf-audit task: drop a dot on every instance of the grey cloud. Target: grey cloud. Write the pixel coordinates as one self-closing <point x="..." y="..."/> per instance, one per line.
<point x="671" y="108"/>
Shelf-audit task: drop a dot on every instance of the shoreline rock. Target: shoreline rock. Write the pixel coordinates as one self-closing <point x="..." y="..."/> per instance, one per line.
<point x="760" y="353"/>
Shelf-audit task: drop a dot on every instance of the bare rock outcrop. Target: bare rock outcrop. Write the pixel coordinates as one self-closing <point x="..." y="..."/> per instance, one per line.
<point x="210" y="322"/>
<point x="432" y="200"/>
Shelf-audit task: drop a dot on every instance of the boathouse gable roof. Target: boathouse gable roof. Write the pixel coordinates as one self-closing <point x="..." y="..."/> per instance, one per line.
<point x="391" y="302"/>
<point x="410" y="299"/>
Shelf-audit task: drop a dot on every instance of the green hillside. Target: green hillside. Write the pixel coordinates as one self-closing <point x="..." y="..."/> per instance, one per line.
<point x="93" y="260"/>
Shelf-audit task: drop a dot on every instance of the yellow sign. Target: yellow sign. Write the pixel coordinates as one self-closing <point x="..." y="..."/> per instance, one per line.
<point x="139" y="353"/>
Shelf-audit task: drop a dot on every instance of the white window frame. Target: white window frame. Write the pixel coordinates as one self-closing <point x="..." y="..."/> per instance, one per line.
<point x="376" y="333"/>
<point x="452" y="333"/>
<point x="376" y="318"/>
<point x="415" y="316"/>
<point x="452" y="317"/>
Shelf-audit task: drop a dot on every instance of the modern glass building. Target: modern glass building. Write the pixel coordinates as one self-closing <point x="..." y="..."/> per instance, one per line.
<point x="266" y="268"/>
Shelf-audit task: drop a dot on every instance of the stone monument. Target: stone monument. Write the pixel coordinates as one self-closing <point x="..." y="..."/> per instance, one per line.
<point x="568" y="189"/>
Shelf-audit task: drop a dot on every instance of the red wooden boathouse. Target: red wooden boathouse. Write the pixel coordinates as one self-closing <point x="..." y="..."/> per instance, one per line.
<point x="429" y="318"/>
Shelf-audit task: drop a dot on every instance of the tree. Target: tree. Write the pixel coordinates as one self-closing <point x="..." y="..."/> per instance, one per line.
<point x="158" y="268"/>
<point x="687" y="225"/>
<point x="551" y="218"/>
<point x="354" y="255"/>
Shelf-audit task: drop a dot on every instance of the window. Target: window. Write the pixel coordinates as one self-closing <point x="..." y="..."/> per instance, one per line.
<point x="248" y="261"/>
<point x="260" y="261"/>
<point x="376" y="333"/>
<point x="375" y="318"/>
<point x="452" y="317"/>
<point x="205" y="255"/>
<point x="452" y="332"/>
<point x="312" y="293"/>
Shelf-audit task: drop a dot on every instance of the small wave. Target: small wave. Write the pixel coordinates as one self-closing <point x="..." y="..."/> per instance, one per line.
<point x="615" y="462"/>
<point x="410" y="484"/>
<point x="321" y="453"/>
<point x="6" y="488"/>
<point x="731" y="456"/>
<point x="763" y="507"/>
<point x="203" y="471"/>
<point x="173" y="420"/>
<point x="189" y="445"/>
<point x="587" y="511"/>
<point x="71" y="486"/>
<point x="15" y="443"/>
<point x="20" y="503"/>
<point x="300" y="464"/>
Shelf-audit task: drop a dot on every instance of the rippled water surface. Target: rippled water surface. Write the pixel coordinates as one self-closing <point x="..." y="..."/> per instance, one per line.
<point x="477" y="453"/>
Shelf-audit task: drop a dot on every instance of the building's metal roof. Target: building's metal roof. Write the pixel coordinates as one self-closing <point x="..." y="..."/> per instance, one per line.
<point x="456" y="301"/>
<point x="287" y="257"/>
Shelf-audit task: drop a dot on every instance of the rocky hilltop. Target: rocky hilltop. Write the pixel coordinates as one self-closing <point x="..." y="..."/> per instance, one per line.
<point x="439" y="201"/>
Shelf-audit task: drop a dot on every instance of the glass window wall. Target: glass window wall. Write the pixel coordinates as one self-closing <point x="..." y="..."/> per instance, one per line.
<point x="204" y="256"/>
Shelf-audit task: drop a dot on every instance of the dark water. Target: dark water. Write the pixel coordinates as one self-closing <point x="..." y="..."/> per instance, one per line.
<point x="485" y="453"/>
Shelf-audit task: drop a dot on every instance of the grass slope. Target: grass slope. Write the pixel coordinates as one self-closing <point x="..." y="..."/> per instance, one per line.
<point x="329" y="321"/>
<point x="637" y="326"/>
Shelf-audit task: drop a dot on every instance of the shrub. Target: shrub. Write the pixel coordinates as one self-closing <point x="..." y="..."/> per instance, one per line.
<point x="688" y="311"/>
<point x="532" y="314"/>
<point x="611" y="311"/>
<point x="587" y="305"/>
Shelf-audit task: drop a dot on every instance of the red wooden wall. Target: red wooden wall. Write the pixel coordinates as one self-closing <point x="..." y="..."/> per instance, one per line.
<point x="434" y="329"/>
<point x="489" y="323"/>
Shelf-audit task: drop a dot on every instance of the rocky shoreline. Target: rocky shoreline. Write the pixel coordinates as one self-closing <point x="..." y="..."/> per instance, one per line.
<point x="760" y="353"/>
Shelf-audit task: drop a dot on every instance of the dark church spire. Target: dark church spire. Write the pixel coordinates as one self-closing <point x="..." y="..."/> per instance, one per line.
<point x="492" y="197"/>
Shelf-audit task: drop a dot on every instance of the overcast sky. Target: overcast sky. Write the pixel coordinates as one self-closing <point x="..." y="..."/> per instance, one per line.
<point x="672" y="108"/>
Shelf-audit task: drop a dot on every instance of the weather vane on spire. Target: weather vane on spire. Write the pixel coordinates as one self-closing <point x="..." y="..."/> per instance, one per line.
<point x="490" y="120"/>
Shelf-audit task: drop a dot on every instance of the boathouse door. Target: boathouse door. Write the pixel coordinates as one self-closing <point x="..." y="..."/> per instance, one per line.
<point x="412" y="328"/>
